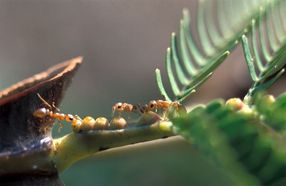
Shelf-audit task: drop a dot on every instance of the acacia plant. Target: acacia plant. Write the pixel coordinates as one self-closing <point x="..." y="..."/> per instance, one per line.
<point x="245" y="137"/>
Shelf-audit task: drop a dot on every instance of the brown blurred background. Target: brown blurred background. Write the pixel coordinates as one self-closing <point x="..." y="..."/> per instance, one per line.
<point x="122" y="42"/>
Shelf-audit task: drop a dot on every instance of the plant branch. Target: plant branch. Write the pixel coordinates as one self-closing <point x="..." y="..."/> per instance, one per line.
<point x="75" y="146"/>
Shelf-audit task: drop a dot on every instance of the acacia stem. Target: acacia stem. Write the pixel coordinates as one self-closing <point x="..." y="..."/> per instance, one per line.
<point x="75" y="146"/>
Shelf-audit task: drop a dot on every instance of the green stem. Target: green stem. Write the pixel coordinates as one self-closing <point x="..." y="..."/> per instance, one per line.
<point x="75" y="146"/>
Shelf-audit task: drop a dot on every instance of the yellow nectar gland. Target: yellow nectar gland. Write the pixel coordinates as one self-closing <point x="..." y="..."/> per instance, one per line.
<point x="101" y="123"/>
<point x="238" y="105"/>
<point x="89" y="123"/>
<point x="235" y="103"/>
<point x="118" y="123"/>
<point x="270" y="99"/>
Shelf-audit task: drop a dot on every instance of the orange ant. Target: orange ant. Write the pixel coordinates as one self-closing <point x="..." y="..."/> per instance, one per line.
<point x="77" y="123"/>
<point x="44" y="112"/>
<point x="167" y="107"/>
<point x="126" y="107"/>
<point x="161" y="104"/>
<point x="153" y="105"/>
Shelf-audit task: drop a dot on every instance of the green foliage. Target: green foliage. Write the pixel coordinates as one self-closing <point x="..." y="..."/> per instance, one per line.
<point x="272" y="113"/>
<point x="248" y="140"/>
<point x="241" y="142"/>
<point x="194" y="64"/>
<point x="265" y="61"/>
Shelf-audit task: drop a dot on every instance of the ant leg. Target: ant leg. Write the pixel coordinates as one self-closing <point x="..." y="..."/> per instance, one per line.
<point x="59" y="124"/>
<point x="116" y="113"/>
<point x="165" y="114"/>
<point x="60" y="127"/>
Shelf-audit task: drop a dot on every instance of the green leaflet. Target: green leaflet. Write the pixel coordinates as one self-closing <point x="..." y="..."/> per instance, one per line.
<point x="266" y="56"/>
<point x="188" y="64"/>
<point x="249" y="145"/>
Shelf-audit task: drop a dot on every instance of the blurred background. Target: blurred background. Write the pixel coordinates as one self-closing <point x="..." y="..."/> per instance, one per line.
<point x="122" y="42"/>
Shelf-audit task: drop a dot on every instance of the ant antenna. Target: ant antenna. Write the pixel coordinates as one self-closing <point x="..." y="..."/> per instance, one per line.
<point x="44" y="101"/>
<point x="47" y="104"/>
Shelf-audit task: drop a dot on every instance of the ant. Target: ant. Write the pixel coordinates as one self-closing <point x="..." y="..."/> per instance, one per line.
<point x="161" y="104"/>
<point x="169" y="108"/>
<point x="153" y="105"/>
<point x="44" y="112"/>
<point x="126" y="107"/>
<point x="77" y="123"/>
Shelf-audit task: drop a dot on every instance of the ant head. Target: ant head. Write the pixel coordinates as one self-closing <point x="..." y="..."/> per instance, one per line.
<point x="40" y="113"/>
<point x="118" y="107"/>
<point x="152" y="105"/>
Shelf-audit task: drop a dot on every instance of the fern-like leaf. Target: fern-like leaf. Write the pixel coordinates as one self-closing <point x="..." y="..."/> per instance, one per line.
<point x="189" y="65"/>
<point x="266" y="56"/>
<point x="250" y="151"/>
